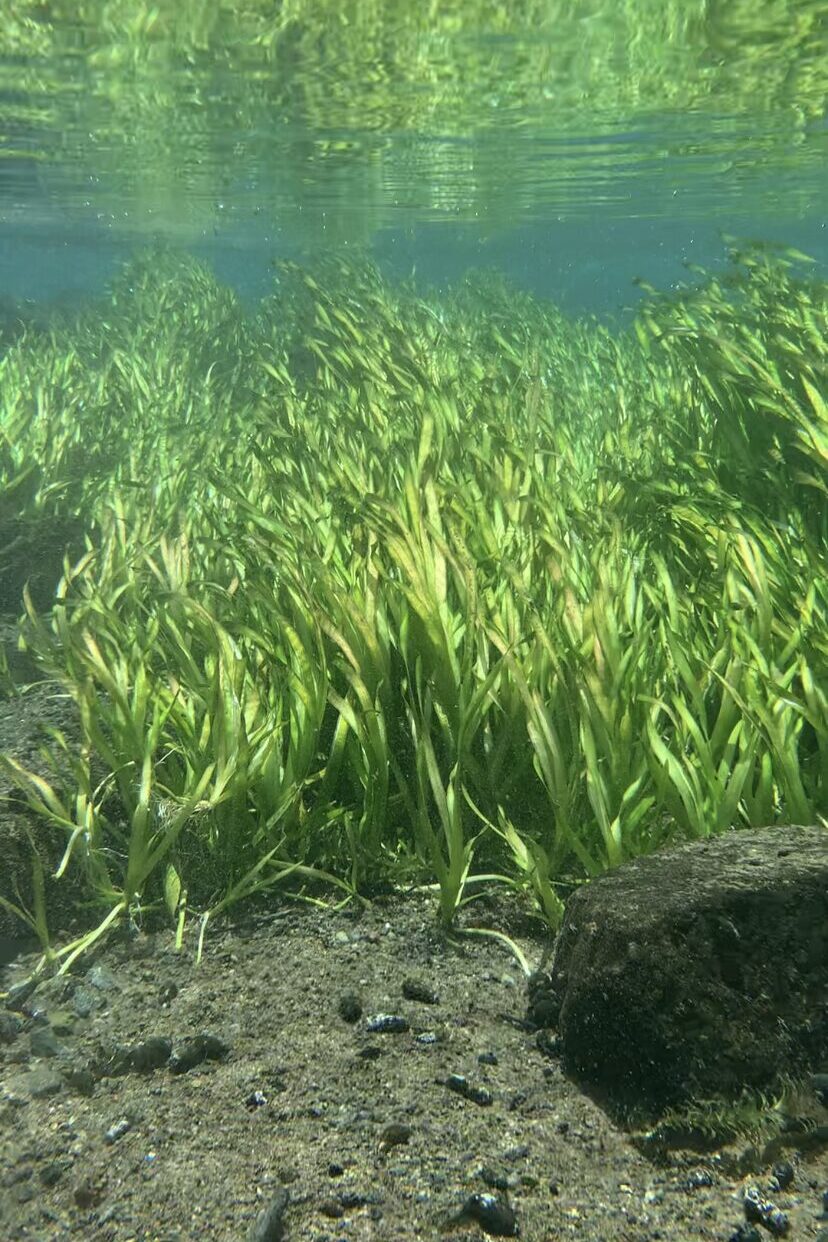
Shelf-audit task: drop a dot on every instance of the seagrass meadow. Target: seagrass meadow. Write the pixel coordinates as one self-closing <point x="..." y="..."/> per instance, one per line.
<point x="367" y="588"/>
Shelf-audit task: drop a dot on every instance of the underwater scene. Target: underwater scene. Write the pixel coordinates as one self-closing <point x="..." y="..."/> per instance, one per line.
<point x="414" y="620"/>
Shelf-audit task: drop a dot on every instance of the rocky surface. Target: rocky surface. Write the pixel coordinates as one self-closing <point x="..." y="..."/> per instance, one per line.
<point x="696" y="971"/>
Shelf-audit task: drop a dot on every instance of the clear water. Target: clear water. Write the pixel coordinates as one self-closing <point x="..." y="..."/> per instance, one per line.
<point x="574" y="145"/>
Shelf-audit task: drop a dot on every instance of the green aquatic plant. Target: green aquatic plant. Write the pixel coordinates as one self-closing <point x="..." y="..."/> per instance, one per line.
<point x="751" y="347"/>
<point x="758" y="1119"/>
<point x="35" y="918"/>
<point x="452" y="592"/>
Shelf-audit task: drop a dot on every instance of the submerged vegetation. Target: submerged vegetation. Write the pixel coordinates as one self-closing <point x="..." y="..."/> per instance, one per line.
<point x="764" y="1121"/>
<point x="372" y="589"/>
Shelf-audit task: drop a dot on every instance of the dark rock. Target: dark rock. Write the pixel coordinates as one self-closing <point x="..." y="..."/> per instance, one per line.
<point x="395" y="1134"/>
<point x="151" y="1054"/>
<point x="113" y="1060"/>
<point x="350" y="1007"/>
<point x="521" y="1151"/>
<point x="824" y="1214"/>
<point x="694" y="972"/>
<point x="51" y="1173"/>
<point x="698" y="1179"/>
<point x="19" y="993"/>
<point x="387" y="1024"/>
<point x="460" y="1085"/>
<point x="760" y="1212"/>
<point x="37" y="1084"/>
<point x="544" y="1002"/>
<point x="493" y="1178"/>
<point x="417" y="990"/>
<point x="782" y="1175"/>
<point x="351" y="1199"/>
<point x="493" y="1216"/>
<point x="191" y="1052"/>
<point x="80" y="1077"/>
<point x="101" y="979"/>
<point x="10" y="1026"/>
<point x="141" y="1058"/>
<point x="43" y="1042"/>
<point x="21" y="1173"/>
<point x="547" y="1045"/>
<point x="117" y="1131"/>
<point x="86" y="1000"/>
<point x="89" y="1191"/>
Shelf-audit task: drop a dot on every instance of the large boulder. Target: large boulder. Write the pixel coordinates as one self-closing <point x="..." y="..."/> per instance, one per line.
<point x="695" y="972"/>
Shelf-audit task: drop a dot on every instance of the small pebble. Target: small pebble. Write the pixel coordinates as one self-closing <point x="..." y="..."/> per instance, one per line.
<point x="386" y="1024"/>
<point x="783" y="1175"/>
<point x="761" y="1212"/>
<point x="493" y="1216"/>
<point x="460" y="1085"/>
<point x="395" y="1135"/>
<point x="699" y="1178"/>
<point x="117" y="1131"/>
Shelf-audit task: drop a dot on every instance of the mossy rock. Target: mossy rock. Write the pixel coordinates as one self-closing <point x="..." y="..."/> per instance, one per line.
<point x="697" y="972"/>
